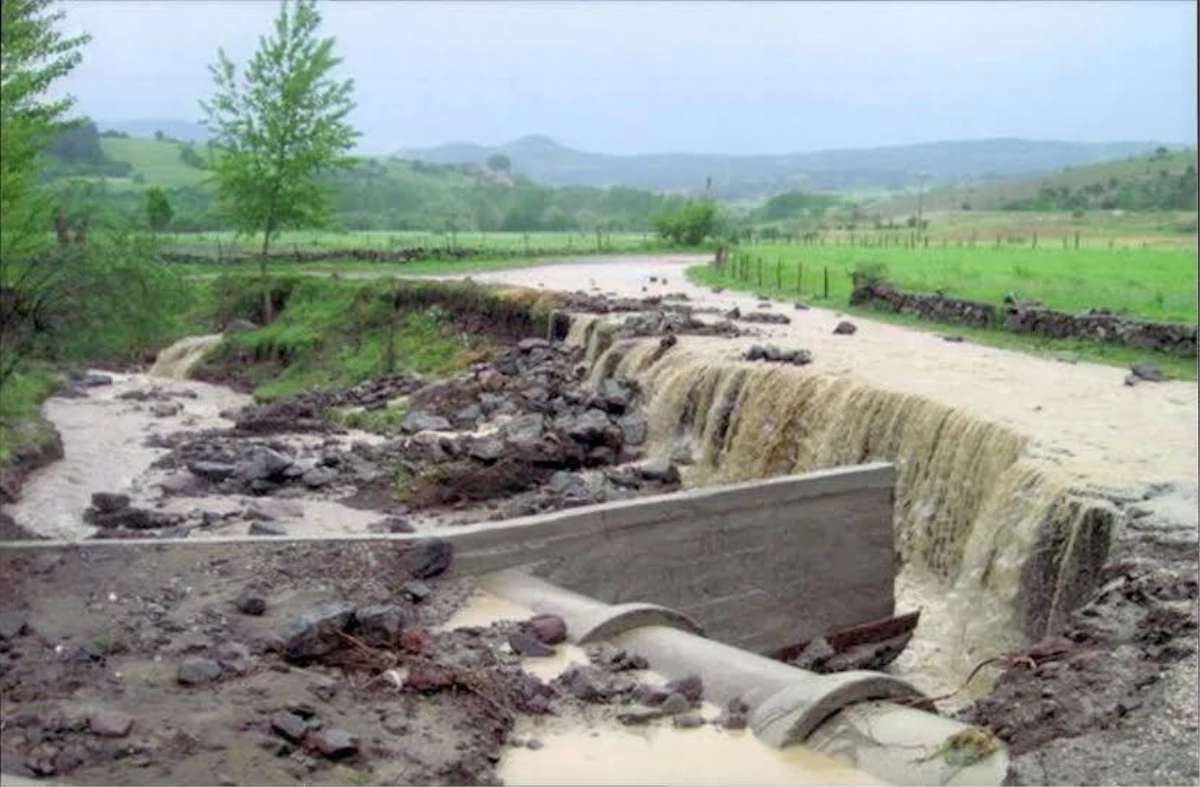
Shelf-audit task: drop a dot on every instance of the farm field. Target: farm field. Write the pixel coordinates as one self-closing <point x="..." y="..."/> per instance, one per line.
<point x="533" y="243"/>
<point x="1153" y="283"/>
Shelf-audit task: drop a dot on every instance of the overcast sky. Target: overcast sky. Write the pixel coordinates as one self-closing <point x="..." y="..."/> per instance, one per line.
<point x="715" y="77"/>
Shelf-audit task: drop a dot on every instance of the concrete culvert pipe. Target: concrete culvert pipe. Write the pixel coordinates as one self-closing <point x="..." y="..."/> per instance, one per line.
<point x="876" y="722"/>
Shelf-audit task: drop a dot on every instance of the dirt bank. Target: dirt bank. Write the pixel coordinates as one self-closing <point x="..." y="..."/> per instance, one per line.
<point x="1111" y="697"/>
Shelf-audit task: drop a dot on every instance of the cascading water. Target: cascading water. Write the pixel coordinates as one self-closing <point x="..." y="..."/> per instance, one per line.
<point x="996" y="538"/>
<point x="177" y="361"/>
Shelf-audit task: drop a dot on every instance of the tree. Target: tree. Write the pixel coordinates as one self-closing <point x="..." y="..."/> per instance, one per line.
<point x="158" y="209"/>
<point x="277" y="126"/>
<point x="689" y="224"/>
<point x="33" y="56"/>
<point x="498" y="162"/>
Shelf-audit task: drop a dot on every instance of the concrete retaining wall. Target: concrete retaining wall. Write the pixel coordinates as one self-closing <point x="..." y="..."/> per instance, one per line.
<point x="759" y="565"/>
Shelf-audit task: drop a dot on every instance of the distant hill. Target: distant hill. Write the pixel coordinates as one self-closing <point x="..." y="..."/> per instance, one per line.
<point x="145" y="128"/>
<point x="737" y="177"/>
<point x="1162" y="180"/>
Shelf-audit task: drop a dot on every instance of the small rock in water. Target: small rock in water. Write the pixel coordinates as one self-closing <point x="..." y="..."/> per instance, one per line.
<point x="952" y="338"/>
<point x="845" y="328"/>
<point x="801" y="307"/>
<point x="688" y="721"/>
<point x="1148" y="372"/>
<point x="676" y="703"/>
<point x="95" y="380"/>
<point x="267" y="528"/>
<point x="109" y="502"/>
<point x="165" y="409"/>
<point x="524" y="644"/>
<point x="690" y="686"/>
<point x="549" y="629"/>
<point x="639" y="716"/>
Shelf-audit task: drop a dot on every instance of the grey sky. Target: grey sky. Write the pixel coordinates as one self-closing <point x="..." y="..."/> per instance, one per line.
<point x="715" y="77"/>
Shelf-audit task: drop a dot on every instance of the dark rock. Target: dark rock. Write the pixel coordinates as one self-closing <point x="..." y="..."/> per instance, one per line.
<point x="845" y="328"/>
<point x="591" y="684"/>
<point x="165" y="409"/>
<point x="486" y="448"/>
<point x="380" y="624"/>
<point x="639" y="716"/>
<point x="110" y="723"/>
<point x="13" y="625"/>
<point x="733" y="721"/>
<point x="800" y="307"/>
<point x="427" y="558"/>
<point x="550" y="629"/>
<point x="316" y="632"/>
<point x="633" y="428"/>
<point x="234" y="657"/>
<point x="660" y="470"/>
<point x="94" y="380"/>
<point x="263" y="464"/>
<point x="524" y="644"/>
<point x="688" y="721"/>
<point x="1148" y="372"/>
<point x="952" y="338"/>
<point x="318" y="477"/>
<point x="524" y="427"/>
<point x="109" y="502"/>
<point x="589" y="428"/>
<point x="289" y="725"/>
<point x="392" y="524"/>
<point x="417" y="591"/>
<point x="690" y="686"/>
<point x="528" y="345"/>
<point x="195" y="671"/>
<point x="675" y="703"/>
<point x="615" y="659"/>
<point x="212" y="471"/>
<point x="418" y="421"/>
<point x="267" y="528"/>
<point x="251" y="601"/>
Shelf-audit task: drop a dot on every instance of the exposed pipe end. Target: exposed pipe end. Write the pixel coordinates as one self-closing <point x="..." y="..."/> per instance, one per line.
<point x="791" y="715"/>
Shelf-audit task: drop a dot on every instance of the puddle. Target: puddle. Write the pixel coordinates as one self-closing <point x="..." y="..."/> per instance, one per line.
<point x="599" y="751"/>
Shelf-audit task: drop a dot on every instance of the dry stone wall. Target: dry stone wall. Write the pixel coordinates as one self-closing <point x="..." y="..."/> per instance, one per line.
<point x="1030" y="317"/>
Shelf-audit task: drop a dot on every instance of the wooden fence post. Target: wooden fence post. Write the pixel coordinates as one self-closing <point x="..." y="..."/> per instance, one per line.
<point x="826" y="282"/>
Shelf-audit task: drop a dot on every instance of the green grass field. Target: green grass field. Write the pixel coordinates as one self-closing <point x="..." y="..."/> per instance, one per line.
<point x="533" y="243"/>
<point x="157" y="161"/>
<point x="1157" y="284"/>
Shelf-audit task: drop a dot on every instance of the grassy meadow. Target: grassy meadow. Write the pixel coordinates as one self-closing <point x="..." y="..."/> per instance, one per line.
<point x="1153" y="283"/>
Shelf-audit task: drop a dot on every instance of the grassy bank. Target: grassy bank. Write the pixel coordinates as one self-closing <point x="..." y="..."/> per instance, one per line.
<point x="21" y="397"/>
<point x="1061" y="349"/>
<point x="331" y="333"/>
<point x="1155" y="284"/>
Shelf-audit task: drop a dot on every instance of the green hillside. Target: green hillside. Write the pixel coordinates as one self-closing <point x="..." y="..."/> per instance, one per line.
<point x="1163" y="180"/>
<point x="741" y="177"/>
<point x="158" y="162"/>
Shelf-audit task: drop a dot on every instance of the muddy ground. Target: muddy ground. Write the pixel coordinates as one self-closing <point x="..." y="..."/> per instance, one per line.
<point x="289" y="664"/>
<point x="1110" y="700"/>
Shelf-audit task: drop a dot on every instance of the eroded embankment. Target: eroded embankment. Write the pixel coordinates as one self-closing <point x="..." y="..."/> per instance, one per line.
<point x="1005" y="531"/>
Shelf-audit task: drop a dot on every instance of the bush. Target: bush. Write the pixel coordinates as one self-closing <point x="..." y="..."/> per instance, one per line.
<point x="689" y="225"/>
